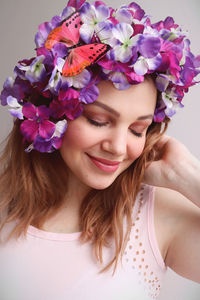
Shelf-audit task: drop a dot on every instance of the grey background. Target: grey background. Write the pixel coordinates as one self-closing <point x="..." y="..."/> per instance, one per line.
<point x="18" y="25"/>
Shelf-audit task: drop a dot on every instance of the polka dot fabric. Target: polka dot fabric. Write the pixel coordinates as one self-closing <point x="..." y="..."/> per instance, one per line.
<point x="142" y="252"/>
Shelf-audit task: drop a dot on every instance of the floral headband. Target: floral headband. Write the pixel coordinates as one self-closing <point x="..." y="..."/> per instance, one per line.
<point x="88" y="43"/>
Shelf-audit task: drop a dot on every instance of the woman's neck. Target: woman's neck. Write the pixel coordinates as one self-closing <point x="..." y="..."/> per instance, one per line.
<point x="66" y="219"/>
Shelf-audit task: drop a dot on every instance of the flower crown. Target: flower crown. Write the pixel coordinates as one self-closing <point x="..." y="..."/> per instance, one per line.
<point x="88" y="43"/>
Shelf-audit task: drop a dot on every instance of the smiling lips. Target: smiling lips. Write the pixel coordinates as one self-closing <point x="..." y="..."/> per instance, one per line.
<point x="104" y="164"/>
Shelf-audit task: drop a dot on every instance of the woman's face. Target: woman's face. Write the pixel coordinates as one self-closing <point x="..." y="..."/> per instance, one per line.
<point x="110" y="134"/>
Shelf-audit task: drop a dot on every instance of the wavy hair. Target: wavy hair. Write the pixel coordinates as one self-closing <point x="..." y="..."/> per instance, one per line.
<point x="31" y="193"/>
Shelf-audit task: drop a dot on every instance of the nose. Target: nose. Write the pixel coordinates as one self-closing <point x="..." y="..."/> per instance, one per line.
<point x="116" y="142"/>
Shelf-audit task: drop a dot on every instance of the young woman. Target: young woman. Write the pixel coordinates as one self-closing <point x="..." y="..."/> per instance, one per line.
<point x="96" y="201"/>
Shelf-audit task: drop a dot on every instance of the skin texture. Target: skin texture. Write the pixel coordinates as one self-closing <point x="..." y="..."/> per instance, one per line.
<point x="177" y="207"/>
<point x="116" y="139"/>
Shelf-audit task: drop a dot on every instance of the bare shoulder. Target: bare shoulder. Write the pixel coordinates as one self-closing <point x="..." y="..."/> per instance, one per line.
<point x="172" y="213"/>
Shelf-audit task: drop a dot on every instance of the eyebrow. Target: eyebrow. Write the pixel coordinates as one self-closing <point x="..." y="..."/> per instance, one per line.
<point x="106" y="107"/>
<point x="116" y="113"/>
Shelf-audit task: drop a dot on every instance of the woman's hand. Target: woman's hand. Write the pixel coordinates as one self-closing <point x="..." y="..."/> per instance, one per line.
<point x="176" y="168"/>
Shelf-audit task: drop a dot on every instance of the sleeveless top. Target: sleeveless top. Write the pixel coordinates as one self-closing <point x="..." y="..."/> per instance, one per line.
<point x="55" y="266"/>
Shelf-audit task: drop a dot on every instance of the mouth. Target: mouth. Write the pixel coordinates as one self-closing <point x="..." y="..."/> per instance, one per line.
<point x="104" y="164"/>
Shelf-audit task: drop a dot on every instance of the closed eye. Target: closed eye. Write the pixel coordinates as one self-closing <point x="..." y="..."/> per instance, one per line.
<point x="101" y="124"/>
<point x="95" y="123"/>
<point x="138" y="134"/>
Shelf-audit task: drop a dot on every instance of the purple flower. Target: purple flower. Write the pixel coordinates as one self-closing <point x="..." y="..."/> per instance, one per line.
<point x="104" y="33"/>
<point x="49" y="145"/>
<point x="137" y="10"/>
<point x="125" y="43"/>
<point x="168" y="23"/>
<point x="68" y="94"/>
<point x="123" y="15"/>
<point x="16" y="88"/>
<point x="45" y="29"/>
<point x="119" y="80"/>
<point x="37" y="122"/>
<point x="91" y="16"/>
<point x="35" y="71"/>
<point x="16" y="108"/>
<point x="171" y="102"/>
<point x="149" y="46"/>
<point x="41" y="36"/>
<point x="8" y="91"/>
<point x="162" y="82"/>
<point x="55" y="81"/>
<point x="72" y="109"/>
<point x="143" y="65"/>
<point x="79" y="81"/>
<point x="89" y="94"/>
<point x="75" y="3"/>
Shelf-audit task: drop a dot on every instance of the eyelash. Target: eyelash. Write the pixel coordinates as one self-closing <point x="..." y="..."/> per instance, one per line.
<point x="98" y="124"/>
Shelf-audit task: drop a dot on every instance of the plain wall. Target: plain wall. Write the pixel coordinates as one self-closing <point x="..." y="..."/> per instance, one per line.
<point x="19" y="20"/>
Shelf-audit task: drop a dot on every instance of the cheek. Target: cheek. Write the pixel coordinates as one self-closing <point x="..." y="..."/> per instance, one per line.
<point x="77" y="136"/>
<point x="136" y="148"/>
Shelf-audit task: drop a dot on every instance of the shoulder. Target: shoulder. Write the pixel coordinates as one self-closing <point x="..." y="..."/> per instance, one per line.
<point x="173" y="213"/>
<point x="173" y="205"/>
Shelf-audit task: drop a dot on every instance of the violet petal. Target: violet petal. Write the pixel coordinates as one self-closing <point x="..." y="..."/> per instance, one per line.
<point x="89" y="94"/>
<point x="46" y="129"/>
<point x="29" y="130"/>
<point x="149" y="46"/>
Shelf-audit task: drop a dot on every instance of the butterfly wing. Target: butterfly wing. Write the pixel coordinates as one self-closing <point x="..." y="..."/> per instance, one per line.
<point x="67" y="33"/>
<point x="83" y="56"/>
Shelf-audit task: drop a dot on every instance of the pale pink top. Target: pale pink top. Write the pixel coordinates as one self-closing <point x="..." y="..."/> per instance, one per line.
<point x="54" y="266"/>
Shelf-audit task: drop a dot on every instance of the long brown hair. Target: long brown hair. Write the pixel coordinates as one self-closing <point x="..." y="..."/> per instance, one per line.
<point x="31" y="193"/>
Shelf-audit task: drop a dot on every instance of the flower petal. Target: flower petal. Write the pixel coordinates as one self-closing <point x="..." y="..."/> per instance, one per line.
<point x="39" y="40"/>
<point x="60" y="129"/>
<point x="141" y="66"/>
<point x="75" y="3"/>
<point x="43" y="112"/>
<point x="68" y="95"/>
<point x="29" y="110"/>
<point x="104" y="32"/>
<point x="60" y="50"/>
<point x="162" y="83"/>
<point x="138" y="11"/>
<point x="87" y="13"/>
<point x="56" y="142"/>
<point x="41" y="145"/>
<point x="102" y="12"/>
<point x="17" y="113"/>
<point x="122" y="53"/>
<point x="86" y="33"/>
<point x="29" y="129"/>
<point x="122" y="32"/>
<point x="44" y="29"/>
<point x="73" y="109"/>
<point x="154" y="62"/>
<point x="13" y="102"/>
<point x="119" y="80"/>
<point x="149" y="46"/>
<point x="89" y="94"/>
<point x="136" y="78"/>
<point x="46" y="129"/>
<point x="67" y="11"/>
<point x="124" y="16"/>
<point x="81" y="80"/>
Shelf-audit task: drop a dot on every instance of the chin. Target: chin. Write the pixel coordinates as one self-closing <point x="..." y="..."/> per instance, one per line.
<point x="101" y="186"/>
<point x="99" y="183"/>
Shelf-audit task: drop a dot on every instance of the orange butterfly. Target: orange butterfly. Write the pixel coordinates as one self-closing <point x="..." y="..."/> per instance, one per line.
<point x="80" y="56"/>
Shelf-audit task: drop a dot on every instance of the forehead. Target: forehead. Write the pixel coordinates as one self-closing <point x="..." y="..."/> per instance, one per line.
<point x="140" y="98"/>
